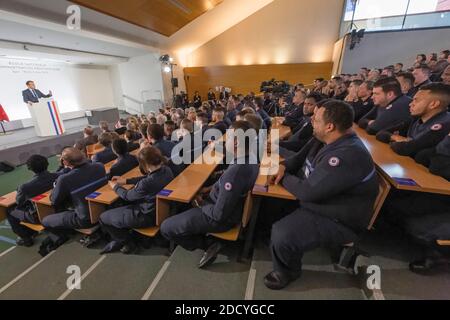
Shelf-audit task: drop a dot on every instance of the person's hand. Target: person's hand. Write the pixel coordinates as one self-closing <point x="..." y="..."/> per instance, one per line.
<point x="276" y="178"/>
<point x="197" y="201"/>
<point x="397" y="138"/>
<point x="112" y="184"/>
<point x="118" y="180"/>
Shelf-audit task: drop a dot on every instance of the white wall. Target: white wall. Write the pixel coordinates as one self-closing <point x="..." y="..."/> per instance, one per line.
<point x="384" y="48"/>
<point x="74" y="87"/>
<point x="137" y="75"/>
<point x="285" y="31"/>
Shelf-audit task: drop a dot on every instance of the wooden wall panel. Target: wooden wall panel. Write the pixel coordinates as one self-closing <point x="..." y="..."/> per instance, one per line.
<point x="243" y="79"/>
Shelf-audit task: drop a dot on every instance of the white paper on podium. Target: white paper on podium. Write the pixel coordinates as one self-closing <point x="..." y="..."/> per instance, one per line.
<point x="46" y="118"/>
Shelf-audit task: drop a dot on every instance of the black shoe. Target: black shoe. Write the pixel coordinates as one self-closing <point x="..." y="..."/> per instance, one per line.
<point x="348" y="258"/>
<point x="112" y="246"/>
<point x="129" y="248"/>
<point x="422" y="266"/>
<point x="24" y="242"/>
<point x="210" y="254"/>
<point x="89" y="241"/>
<point x="276" y="280"/>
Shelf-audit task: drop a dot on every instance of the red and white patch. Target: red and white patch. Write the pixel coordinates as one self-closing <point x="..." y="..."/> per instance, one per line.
<point x="228" y="186"/>
<point x="334" y="161"/>
<point x="436" y="127"/>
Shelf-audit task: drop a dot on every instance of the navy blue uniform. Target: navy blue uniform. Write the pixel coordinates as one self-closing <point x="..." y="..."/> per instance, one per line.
<point x="396" y="113"/>
<point x="293" y="117"/>
<point x="336" y="191"/>
<point x="298" y="139"/>
<point x="25" y="210"/>
<point x="437" y="159"/>
<point x="412" y="92"/>
<point x="221" y="126"/>
<point x="361" y="108"/>
<point x="222" y="209"/>
<point x="165" y="146"/>
<point x="68" y="198"/>
<point x="104" y="156"/>
<point x="140" y="212"/>
<point x="123" y="164"/>
<point x="267" y="121"/>
<point x="230" y="117"/>
<point x="420" y="135"/>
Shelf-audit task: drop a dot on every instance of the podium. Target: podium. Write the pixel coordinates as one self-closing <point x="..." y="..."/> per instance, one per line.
<point x="46" y="118"/>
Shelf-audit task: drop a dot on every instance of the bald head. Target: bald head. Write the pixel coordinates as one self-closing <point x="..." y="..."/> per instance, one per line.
<point x="72" y="157"/>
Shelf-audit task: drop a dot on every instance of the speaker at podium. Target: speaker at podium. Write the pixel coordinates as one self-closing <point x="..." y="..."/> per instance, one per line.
<point x="46" y="118"/>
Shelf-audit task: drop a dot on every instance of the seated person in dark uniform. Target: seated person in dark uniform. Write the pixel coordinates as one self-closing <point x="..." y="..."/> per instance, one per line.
<point x="437" y="159"/>
<point x="169" y="128"/>
<point x="155" y="135"/>
<point x="293" y="114"/>
<point x="72" y="212"/>
<point x="391" y="107"/>
<point x="221" y="209"/>
<point x="89" y="138"/>
<point x="25" y="210"/>
<point x="364" y="103"/>
<point x="140" y="212"/>
<point x="421" y="75"/>
<point x="131" y="142"/>
<point x="430" y="125"/>
<point x="107" y="154"/>
<point x="336" y="190"/>
<point x="406" y="80"/>
<point x="305" y="130"/>
<point x="217" y="118"/>
<point x="211" y="94"/>
<point x="259" y="103"/>
<point x="125" y="161"/>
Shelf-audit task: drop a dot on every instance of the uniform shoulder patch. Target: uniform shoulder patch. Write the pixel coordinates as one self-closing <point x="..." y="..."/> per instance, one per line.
<point x="388" y="107"/>
<point x="334" y="161"/>
<point x="436" y="127"/>
<point x="228" y="186"/>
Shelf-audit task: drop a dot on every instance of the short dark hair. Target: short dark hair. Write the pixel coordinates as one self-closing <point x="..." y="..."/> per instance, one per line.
<point x="259" y="101"/>
<point x="339" y="113"/>
<point x="37" y="163"/>
<point x="400" y="63"/>
<point x="424" y="67"/>
<point x="440" y="89"/>
<point x="318" y="79"/>
<point x="120" y="146"/>
<point x="446" y="53"/>
<point x="316" y="96"/>
<point x="357" y="82"/>
<point x="203" y="116"/>
<point x="105" y="139"/>
<point x="408" y="76"/>
<point x="170" y="123"/>
<point x="423" y="56"/>
<point x="244" y="126"/>
<point x="388" y="84"/>
<point x="152" y="156"/>
<point x="28" y="82"/>
<point x="155" y="131"/>
<point x="369" y="84"/>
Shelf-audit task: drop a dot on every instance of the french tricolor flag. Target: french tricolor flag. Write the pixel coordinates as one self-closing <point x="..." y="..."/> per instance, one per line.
<point x="55" y="117"/>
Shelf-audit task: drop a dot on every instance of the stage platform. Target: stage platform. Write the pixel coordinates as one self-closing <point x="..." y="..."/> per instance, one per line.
<point x="16" y="146"/>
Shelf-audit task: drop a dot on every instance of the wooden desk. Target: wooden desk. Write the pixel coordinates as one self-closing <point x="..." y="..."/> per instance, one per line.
<point x="108" y="196"/>
<point x="392" y="165"/>
<point x="264" y="189"/>
<point x="6" y="201"/>
<point x="93" y="149"/>
<point x="43" y="205"/>
<point x="185" y="186"/>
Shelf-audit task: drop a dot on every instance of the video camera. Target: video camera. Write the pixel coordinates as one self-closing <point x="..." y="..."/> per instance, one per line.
<point x="275" y="86"/>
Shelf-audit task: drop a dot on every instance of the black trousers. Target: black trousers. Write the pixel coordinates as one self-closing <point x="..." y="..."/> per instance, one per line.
<point x="59" y="225"/>
<point x="16" y="216"/>
<point x="119" y="221"/>
<point x="302" y="231"/>
<point x="189" y="229"/>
